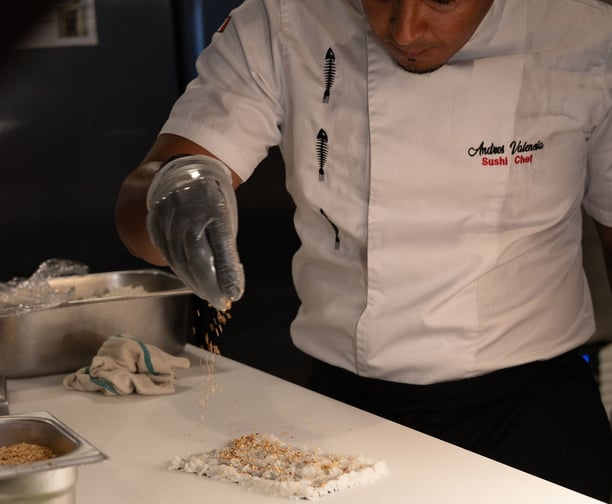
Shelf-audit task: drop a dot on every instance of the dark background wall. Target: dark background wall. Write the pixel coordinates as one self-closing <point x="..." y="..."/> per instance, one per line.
<point x="75" y="120"/>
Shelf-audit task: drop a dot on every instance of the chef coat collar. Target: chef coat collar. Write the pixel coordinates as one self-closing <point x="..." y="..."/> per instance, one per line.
<point x="484" y="34"/>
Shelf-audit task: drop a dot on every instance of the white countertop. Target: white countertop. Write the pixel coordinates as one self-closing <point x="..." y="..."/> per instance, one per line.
<point x="140" y="434"/>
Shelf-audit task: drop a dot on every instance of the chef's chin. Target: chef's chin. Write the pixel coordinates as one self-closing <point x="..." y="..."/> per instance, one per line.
<point x="414" y="68"/>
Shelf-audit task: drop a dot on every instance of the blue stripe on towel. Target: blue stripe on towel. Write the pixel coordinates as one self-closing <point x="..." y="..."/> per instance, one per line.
<point x="147" y="358"/>
<point x="146" y="355"/>
<point x="101" y="382"/>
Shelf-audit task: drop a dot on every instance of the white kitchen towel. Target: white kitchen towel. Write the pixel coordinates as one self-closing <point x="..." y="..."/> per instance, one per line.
<point x="124" y="365"/>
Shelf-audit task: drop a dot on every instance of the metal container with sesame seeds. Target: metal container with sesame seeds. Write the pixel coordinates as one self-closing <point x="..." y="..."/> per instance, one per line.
<point x="50" y="481"/>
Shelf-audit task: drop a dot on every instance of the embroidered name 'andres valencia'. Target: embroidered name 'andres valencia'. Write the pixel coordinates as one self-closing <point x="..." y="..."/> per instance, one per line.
<point x="517" y="152"/>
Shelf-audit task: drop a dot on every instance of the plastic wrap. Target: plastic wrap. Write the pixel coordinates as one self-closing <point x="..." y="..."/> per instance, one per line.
<point x="24" y="295"/>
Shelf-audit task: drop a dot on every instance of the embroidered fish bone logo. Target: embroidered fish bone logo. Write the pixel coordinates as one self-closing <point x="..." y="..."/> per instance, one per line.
<point x="329" y="73"/>
<point x="322" y="150"/>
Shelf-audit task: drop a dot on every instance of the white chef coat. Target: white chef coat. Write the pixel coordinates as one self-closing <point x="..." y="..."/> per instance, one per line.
<point x="440" y="214"/>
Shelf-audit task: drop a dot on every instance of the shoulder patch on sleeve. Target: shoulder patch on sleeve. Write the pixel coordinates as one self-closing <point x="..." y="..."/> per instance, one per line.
<point x="223" y="26"/>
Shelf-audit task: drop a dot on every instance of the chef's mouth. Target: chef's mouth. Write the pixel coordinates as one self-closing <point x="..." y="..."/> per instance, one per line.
<point x="418" y="60"/>
<point x="409" y="53"/>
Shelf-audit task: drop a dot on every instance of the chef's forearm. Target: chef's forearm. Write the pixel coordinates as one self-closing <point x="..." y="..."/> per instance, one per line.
<point x="131" y="214"/>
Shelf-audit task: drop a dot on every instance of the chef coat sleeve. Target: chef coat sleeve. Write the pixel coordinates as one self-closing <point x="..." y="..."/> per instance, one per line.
<point x="598" y="196"/>
<point x="233" y="107"/>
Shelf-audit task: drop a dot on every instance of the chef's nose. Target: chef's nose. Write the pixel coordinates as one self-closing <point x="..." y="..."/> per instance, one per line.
<point x="407" y="23"/>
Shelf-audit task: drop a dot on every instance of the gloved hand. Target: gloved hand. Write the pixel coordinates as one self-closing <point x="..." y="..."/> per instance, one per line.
<point x="193" y="221"/>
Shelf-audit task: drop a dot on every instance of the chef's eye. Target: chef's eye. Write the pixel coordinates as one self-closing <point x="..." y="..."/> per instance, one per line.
<point x="442" y="4"/>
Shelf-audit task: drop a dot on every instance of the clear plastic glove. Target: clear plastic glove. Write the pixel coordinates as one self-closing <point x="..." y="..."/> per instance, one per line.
<point x="193" y="221"/>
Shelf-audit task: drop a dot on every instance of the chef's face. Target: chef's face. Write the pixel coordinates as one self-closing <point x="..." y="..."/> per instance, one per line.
<point x="422" y="35"/>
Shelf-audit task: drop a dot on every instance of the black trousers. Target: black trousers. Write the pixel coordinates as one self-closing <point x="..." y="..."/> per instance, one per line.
<point x="545" y="418"/>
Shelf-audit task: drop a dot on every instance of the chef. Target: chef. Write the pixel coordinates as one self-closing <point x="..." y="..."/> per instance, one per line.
<point x="439" y="153"/>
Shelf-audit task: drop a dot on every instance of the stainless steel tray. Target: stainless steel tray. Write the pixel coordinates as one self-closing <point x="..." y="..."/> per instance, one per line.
<point x="40" y="427"/>
<point x="51" y="481"/>
<point x="65" y="338"/>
